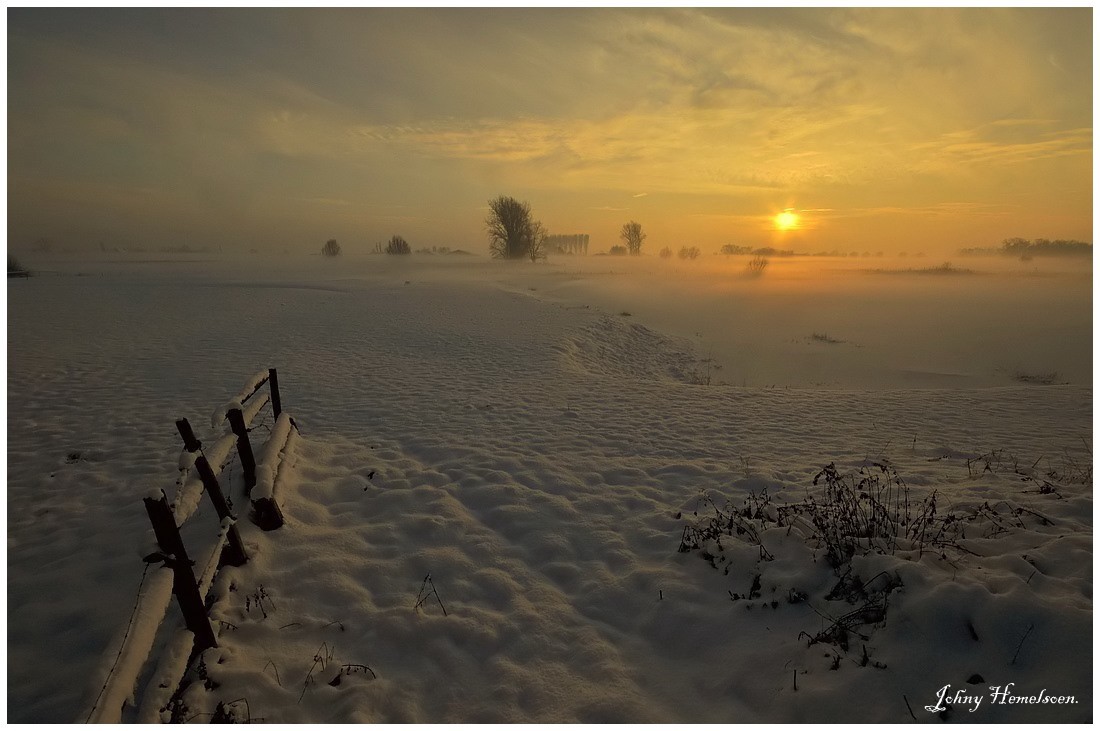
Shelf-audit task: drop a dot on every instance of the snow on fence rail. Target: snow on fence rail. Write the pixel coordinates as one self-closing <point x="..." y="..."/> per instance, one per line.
<point x="176" y="575"/>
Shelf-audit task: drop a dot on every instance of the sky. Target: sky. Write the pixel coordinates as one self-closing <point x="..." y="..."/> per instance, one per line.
<point x="277" y="129"/>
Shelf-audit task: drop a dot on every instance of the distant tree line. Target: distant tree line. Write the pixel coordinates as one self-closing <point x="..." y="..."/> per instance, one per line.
<point x="731" y="249"/>
<point x="1025" y="249"/>
<point x="567" y="243"/>
<point x="515" y="234"/>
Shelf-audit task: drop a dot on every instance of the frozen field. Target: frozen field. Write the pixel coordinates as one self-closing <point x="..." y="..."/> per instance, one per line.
<point x="537" y="438"/>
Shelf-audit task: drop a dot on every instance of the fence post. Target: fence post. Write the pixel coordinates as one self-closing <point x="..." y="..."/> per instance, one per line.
<point x="184" y="585"/>
<point x="190" y="443"/>
<point x="269" y="516"/>
<point x="234" y="553"/>
<point x="244" y="448"/>
<point x="273" y="385"/>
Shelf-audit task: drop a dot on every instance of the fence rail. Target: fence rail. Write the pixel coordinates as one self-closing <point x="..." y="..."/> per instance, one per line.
<point x="170" y="571"/>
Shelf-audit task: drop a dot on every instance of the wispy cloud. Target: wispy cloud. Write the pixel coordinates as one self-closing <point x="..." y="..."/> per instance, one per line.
<point x="982" y="146"/>
<point x="254" y="116"/>
<point x="936" y="210"/>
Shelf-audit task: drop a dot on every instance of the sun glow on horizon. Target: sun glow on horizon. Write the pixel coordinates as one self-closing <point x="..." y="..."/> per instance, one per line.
<point x="786" y="221"/>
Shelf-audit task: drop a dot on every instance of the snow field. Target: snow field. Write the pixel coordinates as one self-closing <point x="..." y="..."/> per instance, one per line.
<point x="533" y="457"/>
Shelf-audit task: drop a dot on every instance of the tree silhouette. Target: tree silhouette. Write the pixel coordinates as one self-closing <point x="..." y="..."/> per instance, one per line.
<point x="513" y="234"/>
<point x="633" y="237"/>
<point x="331" y="248"/>
<point x="536" y="241"/>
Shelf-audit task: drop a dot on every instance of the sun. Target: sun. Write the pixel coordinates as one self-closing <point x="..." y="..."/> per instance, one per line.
<point x="787" y="220"/>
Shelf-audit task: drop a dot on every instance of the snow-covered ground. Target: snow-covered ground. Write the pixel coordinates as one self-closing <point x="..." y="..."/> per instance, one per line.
<point x="536" y="438"/>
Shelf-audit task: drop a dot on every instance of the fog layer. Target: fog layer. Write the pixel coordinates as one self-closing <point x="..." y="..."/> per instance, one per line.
<point x="803" y="322"/>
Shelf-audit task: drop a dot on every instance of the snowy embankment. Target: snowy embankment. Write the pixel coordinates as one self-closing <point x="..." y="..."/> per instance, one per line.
<point x="540" y="460"/>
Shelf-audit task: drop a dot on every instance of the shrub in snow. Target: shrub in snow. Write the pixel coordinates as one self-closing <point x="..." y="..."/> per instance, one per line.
<point x="15" y="269"/>
<point x="331" y="248"/>
<point x="398" y="245"/>
<point x="757" y="265"/>
<point x="869" y="529"/>
<point x="870" y="512"/>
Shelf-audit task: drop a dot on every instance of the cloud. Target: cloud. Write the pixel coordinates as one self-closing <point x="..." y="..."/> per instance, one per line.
<point x="232" y="114"/>
<point x="985" y="146"/>
<point x="937" y="210"/>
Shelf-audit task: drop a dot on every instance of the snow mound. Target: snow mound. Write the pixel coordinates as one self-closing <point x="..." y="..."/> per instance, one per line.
<point x="617" y="348"/>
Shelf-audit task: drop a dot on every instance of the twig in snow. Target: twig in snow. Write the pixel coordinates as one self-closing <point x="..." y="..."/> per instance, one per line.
<point x="1020" y="646"/>
<point x="422" y="596"/>
<point x="257" y="600"/>
<point x="349" y="669"/>
<point x="276" y="669"/>
<point x="318" y="659"/>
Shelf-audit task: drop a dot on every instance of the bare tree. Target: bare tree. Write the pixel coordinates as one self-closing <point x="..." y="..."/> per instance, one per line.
<point x="513" y="234"/>
<point x="536" y="241"/>
<point x="331" y="248"/>
<point x="398" y="245"/>
<point x="633" y="237"/>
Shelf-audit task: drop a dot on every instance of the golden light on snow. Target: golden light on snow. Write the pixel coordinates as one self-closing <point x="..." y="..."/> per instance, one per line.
<point x="786" y="221"/>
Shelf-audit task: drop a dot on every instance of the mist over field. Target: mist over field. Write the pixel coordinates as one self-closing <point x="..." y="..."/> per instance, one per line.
<point x="847" y="322"/>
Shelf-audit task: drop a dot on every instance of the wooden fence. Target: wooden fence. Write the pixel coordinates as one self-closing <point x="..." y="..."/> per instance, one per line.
<point x="175" y="575"/>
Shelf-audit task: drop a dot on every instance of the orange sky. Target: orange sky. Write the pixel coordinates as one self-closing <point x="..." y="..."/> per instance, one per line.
<point x="889" y="130"/>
